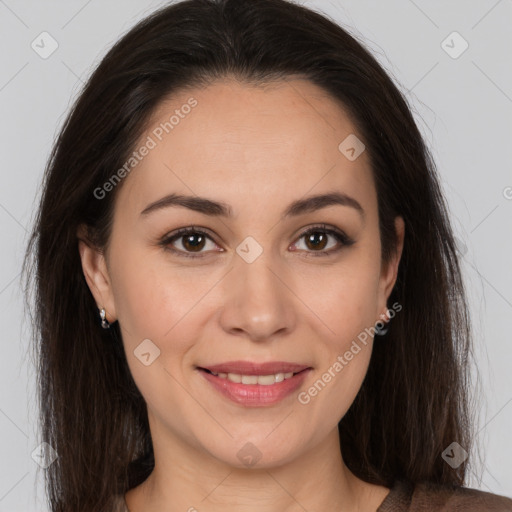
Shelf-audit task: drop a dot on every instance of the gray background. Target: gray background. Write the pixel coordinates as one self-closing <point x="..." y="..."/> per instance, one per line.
<point x="463" y="106"/>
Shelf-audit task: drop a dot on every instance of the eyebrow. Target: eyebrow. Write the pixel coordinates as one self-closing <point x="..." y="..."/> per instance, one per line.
<point x="218" y="208"/>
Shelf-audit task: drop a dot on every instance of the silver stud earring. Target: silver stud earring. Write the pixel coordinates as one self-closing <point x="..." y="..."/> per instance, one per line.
<point x="104" y="322"/>
<point x="381" y="331"/>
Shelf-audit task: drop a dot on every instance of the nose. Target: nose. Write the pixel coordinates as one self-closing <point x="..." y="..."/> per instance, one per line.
<point x="258" y="301"/>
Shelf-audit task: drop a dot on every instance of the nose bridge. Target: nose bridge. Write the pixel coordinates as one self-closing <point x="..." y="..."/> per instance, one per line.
<point x="257" y="301"/>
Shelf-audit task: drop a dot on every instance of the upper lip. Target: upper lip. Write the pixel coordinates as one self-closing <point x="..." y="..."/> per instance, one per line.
<point x="253" y="368"/>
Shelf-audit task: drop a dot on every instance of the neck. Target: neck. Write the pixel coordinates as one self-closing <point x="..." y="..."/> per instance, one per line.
<point x="186" y="479"/>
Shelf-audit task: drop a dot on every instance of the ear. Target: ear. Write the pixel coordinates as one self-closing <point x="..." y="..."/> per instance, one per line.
<point x="389" y="272"/>
<point x="96" y="273"/>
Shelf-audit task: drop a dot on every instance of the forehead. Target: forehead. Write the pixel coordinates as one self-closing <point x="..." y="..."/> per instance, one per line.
<point x="248" y="145"/>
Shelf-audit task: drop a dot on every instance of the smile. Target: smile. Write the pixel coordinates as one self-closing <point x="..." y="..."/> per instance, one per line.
<point x="255" y="390"/>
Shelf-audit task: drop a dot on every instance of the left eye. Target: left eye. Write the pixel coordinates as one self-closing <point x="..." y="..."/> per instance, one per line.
<point x="316" y="239"/>
<point x="193" y="240"/>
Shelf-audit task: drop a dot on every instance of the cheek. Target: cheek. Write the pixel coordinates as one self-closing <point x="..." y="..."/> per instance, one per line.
<point x="164" y="304"/>
<point x="152" y="306"/>
<point x="150" y="296"/>
<point x="344" y="297"/>
<point x="343" y="301"/>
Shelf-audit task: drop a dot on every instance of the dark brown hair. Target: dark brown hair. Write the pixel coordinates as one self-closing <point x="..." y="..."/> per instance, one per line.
<point x="414" y="400"/>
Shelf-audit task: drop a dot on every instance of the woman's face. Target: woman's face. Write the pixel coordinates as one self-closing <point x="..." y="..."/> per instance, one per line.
<point x="257" y="290"/>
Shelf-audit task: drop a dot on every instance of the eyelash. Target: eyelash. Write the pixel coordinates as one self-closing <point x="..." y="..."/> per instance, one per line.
<point x="341" y="237"/>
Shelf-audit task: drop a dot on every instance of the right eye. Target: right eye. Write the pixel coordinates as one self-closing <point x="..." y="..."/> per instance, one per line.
<point x="192" y="240"/>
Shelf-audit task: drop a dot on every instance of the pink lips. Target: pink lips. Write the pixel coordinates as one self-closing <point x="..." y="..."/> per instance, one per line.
<point x="256" y="395"/>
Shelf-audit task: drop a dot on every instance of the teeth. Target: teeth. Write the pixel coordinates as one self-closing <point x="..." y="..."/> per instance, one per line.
<point x="263" y="380"/>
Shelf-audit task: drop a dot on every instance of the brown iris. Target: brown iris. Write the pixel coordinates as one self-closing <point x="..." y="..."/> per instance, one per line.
<point x="318" y="239"/>
<point x="190" y="245"/>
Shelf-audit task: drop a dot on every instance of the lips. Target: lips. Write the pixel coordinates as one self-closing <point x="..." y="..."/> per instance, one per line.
<point x="253" y="384"/>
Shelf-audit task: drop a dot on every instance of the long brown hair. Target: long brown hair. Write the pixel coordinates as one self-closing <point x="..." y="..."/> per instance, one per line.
<point x="413" y="402"/>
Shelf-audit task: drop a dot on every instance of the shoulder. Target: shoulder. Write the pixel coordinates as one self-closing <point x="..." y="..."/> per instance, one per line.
<point x="455" y="498"/>
<point x="431" y="497"/>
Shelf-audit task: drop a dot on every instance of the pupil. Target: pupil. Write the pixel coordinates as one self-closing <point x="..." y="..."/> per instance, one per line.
<point x="312" y="237"/>
<point x="188" y="243"/>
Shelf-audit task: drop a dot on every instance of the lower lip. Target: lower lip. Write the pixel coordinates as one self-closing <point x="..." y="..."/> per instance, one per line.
<point x="256" y="395"/>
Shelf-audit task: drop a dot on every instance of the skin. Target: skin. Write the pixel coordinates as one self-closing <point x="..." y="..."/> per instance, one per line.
<point x="256" y="149"/>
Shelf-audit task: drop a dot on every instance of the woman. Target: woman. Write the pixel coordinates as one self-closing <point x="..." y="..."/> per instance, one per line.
<point x="248" y="294"/>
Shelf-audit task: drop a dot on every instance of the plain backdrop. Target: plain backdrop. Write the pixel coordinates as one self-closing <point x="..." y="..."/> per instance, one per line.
<point x="462" y="101"/>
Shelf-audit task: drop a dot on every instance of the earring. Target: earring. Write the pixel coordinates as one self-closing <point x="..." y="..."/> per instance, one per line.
<point x="381" y="331"/>
<point x="104" y="322"/>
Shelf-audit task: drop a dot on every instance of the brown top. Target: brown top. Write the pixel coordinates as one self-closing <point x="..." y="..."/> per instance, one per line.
<point x="427" y="497"/>
<point x="404" y="497"/>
